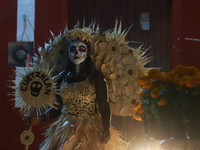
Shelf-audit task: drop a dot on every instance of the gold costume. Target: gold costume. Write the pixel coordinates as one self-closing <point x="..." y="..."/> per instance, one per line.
<point x="79" y="127"/>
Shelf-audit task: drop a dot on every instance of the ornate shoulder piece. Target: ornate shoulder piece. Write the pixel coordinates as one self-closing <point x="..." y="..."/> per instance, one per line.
<point x="55" y="52"/>
<point x="122" y="66"/>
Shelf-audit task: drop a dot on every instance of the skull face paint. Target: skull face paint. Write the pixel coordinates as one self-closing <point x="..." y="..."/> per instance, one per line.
<point x="77" y="52"/>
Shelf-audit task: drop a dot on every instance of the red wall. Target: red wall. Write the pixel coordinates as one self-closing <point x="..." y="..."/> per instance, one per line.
<point x="185" y="24"/>
<point x="49" y="15"/>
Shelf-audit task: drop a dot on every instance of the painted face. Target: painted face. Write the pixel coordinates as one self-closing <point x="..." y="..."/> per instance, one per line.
<point x="77" y="52"/>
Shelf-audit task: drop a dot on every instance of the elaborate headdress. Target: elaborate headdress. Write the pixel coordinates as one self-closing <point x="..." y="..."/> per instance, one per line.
<point x="82" y="33"/>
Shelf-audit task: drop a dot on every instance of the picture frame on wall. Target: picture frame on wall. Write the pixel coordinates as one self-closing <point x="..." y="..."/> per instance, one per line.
<point x="19" y="53"/>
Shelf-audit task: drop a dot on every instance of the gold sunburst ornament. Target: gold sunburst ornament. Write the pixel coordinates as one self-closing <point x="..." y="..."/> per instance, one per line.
<point x="35" y="91"/>
<point x="130" y="72"/>
<point x="113" y="44"/>
<point x="113" y="48"/>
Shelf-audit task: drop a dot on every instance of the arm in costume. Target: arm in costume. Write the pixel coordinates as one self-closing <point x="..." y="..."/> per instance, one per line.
<point x="104" y="108"/>
<point x="48" y="115"/>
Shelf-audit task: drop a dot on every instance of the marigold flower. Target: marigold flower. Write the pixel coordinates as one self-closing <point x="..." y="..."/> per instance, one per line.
<point x="148" y="85"/>
<point x="162" y="78"/>
<point x="137" y="117"/>
<point x="174" y="74"/>
<point x="162" y="102"/>
<point x="182" y="81"/>
<point x="189" y="82"/>
<point x="171" y="76"/>
<point x="168" y="77"/>
<point x="181" y="70"/>
<point x="192" y="70"/>
<point x="142" y="80"/>
<point x="140" y="110"/>
<point x="155" y="93"/>
<point x="137" y="106"/>
<point x="154" y="74"/>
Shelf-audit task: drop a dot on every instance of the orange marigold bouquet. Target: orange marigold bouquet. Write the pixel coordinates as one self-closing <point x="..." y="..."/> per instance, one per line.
<point x="169" y="94"/>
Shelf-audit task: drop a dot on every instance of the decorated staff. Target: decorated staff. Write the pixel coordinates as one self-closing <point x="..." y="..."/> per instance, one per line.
<point x="27" y="137"/>
<point x="34" y="93"/>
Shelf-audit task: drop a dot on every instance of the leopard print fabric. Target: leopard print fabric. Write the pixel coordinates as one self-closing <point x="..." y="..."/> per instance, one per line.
<point x="78" y="99"/>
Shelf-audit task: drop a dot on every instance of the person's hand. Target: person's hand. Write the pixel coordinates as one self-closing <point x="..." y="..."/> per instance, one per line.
<point x="33" y="120"/>
<point x="105" y="136"/>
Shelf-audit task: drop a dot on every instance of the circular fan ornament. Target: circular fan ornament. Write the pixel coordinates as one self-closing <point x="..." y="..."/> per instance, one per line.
<point x="35" y="89"/>
<point x="27" y="137"/>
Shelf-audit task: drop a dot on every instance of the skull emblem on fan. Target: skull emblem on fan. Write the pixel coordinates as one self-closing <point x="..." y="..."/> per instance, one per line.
<point x="36" y="88"/>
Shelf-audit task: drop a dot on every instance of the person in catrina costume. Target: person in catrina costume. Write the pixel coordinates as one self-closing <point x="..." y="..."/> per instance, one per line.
<point x="83" y="116"/>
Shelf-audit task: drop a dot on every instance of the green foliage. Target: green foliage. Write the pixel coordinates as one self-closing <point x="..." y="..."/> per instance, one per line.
<point x="178" y="102"/>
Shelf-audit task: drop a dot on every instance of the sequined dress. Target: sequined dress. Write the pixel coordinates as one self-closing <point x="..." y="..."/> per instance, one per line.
<point x="79" y="127"/>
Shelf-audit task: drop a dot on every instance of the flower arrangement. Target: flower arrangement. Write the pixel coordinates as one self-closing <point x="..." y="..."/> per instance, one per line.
<point x="170" y="94"/>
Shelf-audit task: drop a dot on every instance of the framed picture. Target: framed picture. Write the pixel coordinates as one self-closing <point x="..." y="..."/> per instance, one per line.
<point x="19" y="53"/>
